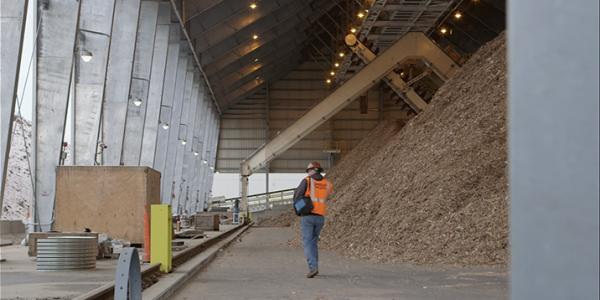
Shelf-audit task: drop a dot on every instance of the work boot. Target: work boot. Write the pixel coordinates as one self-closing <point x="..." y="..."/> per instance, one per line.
<point x="312" y="274"/>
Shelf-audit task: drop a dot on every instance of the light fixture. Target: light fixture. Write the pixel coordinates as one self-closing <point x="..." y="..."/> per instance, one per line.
<point x="256" y="60"/>
<point x="212" y="168"/>
<point x="196" y="153"/>
<point x="205" y="161"/>
<point x="336" y="64"/>
<point x="402" y="74"/>
<point x="254" y="37"/>
<point x="457" y="15"/>
<point x="165" y="126"/>
<point x="443" y="30"/>
<point x="353" y="30"/>
<point x="137" y="101"/>
<point x="360" y="15"/>
<point x="328" y="81"/>
<point x="342" y="54"/>
<point x="86" y="56"/>
<point x="332" y="73"/>
<point x="257" y="78"/>
<point x="183" y="142"/>
<point x="253" y="6"/>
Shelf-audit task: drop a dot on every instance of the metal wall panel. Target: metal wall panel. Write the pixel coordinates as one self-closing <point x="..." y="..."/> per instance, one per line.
<point x="55" y="47"/>
<point x="157" y="79"/>
<point x="93" y="41"/>
<point x="12" y="18"/>
<point x="190" y="158"/>
<point x="118" y="78"/>
<point x="171" y="71"/>
<point x="140" y="83"/>
<point x="167" y="187"/>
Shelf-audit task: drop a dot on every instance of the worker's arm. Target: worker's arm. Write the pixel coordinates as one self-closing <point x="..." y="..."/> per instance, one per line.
<point x="300" y="190"/>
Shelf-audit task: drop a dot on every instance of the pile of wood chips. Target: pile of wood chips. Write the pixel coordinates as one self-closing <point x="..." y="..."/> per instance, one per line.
<point x="435" y="190"/>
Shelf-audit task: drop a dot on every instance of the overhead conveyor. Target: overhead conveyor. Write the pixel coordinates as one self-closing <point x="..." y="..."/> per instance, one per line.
<point x="413" y="45"/>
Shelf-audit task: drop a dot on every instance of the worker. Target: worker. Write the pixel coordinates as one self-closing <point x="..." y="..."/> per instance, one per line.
<point x="317" y="188"/>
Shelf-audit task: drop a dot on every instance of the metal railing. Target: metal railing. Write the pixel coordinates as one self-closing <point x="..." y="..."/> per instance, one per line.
<point x="259" y="202"/>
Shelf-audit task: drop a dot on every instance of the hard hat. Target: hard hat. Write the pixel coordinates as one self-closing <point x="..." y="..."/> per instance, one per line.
<point x="314" y="165"/>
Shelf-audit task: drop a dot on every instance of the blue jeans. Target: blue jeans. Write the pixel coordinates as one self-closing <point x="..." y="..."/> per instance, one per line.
<point x="311" y="226"/>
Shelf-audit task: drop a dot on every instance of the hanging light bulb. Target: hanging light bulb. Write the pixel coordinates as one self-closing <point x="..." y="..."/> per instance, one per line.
<point x="253" y="6"/>
<point x="328" y="81"/>
<point x="353" y="30"/>
<point x="86" y="56"/>
<point x="457" y="15"/>
<point x="342" y="54"/>
<point x="137" y="101"/>
<point x="332" y="73"/>
<point x="360" y="15"/>
<point x="205" y="161"/>
<point x="196" y="153"/>
<point x="183" y="142"/>
<point x="165" y="126"/>
<point x="254" y="37"/>
<point x="336" y="64"/>
<point x="443" y="30"/>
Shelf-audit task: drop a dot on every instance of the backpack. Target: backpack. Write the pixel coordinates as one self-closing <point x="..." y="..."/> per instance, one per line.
<point x="303" y="206"/>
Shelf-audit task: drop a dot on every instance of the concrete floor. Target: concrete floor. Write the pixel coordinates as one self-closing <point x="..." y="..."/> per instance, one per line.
<point x="263" y="266"/>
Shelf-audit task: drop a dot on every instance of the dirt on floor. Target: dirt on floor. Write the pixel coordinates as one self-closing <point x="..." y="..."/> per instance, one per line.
<point x="435" y="190"/>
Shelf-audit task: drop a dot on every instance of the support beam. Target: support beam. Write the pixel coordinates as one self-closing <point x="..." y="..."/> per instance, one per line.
<point x="118" y="78"/>
<point x="553" y="151"/>
<point x="162" y="138"/>
<point x="12" y="18"/>
<point x="93" y="41"/>
<point x="439" y="60"/>
<point x="410" y="46"/>
<point x="140" y="84"/>
<point x="55" y="47"/>
<point x="157" y="84"/>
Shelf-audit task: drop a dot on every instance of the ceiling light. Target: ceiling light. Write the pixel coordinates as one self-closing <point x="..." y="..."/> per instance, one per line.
<point x="457" y="15"/>
<point x="443" y="30"/>
<point x="86" y="56"/>
<point x="165" y="126"/>
<point x="205" y="161"/>
<point x="402" y="74"/>
<point x="360" y="15"/>
<point x="183" y="142"/>
<point x="328" y="80"/>
<point x="253" y="6"/>
<point x="254" y="37"/>
<point x="336" y="65"/>
<point x="196" y="153"/>
<point x="137" y="101"/>
<point x="212" y="168"/>
<point x="366" y="11"/>
<point x="341" y="54"/>
<point x="332" y="73"/>
<point x="353" y="30"/>
<point x="256" y="60"/>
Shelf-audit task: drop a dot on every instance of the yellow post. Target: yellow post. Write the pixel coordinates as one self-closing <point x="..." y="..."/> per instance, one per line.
<point x="161" y="229"/>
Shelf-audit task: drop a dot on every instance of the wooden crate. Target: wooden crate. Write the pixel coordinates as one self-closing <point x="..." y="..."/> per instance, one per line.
<point x="208" y="222"/>
<point x="109" y="200"/>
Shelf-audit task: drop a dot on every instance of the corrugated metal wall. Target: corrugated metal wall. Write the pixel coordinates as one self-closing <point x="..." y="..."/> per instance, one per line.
<point x="245" y="126"/>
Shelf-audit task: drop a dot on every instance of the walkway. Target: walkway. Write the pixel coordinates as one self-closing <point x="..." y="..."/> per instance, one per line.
<point x="263" y="266"/>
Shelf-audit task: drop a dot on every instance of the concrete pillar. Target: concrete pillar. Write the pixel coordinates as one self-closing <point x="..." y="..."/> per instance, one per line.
<point x="157" y="79"/>
<point x="93" y="41"/>
<point x="188" y="151"/>
<point x="140" y="84"/>
<point x="167" y="188"/>
<point x="118" y="78"/>
<point x="168" y="92"/>
<point x="553" y="149"/>
<point x="12" y="17"/>
<point x="55" y="47"/>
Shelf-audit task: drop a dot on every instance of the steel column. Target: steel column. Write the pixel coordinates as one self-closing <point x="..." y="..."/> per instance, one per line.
<point x="164" y="119"/>
<point x="157" y="79"/>
<point x="173" y="143"/>
<point x="93" y="42"/>
<point x="140" y="83"/>
<point x="12" y="18"/>
<point x="118" y="78"/>
<point x="553" y="149"/>
<point x="55" y="47"/>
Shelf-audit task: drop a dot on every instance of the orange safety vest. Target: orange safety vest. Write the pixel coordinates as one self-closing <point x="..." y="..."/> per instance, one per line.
<point x="318" y="191"/>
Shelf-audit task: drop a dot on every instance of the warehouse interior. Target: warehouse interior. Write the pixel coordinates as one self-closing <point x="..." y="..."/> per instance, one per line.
<point x="462" y="167"/>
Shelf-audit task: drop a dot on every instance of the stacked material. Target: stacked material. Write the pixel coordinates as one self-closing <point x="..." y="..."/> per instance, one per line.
<point x="67" y="253"/>
<point x="18" y="193"/>
<point x="434" y="192"/>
